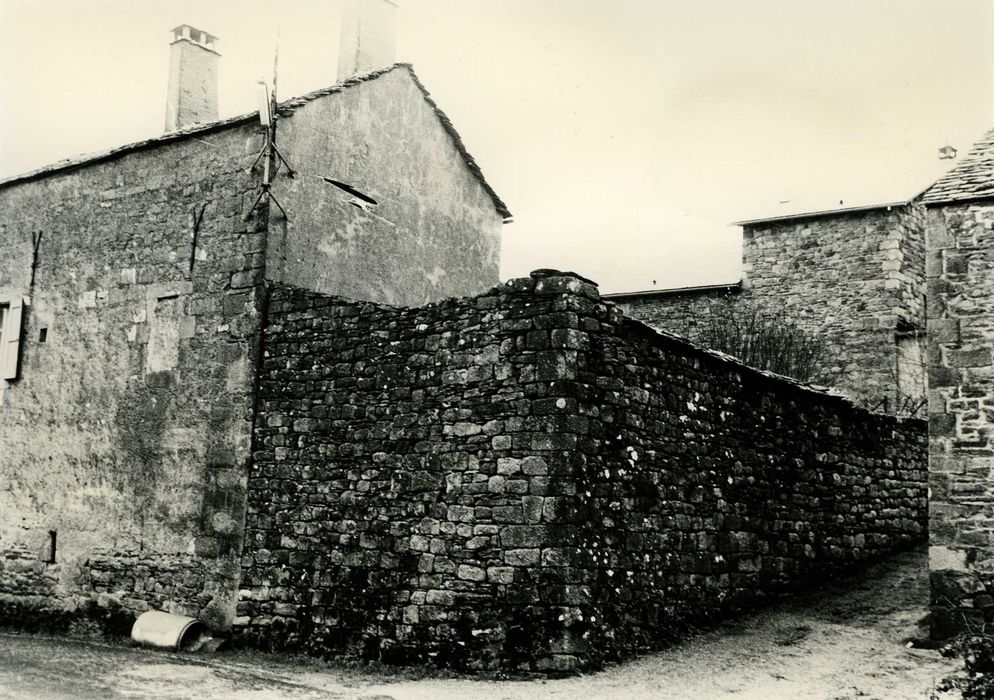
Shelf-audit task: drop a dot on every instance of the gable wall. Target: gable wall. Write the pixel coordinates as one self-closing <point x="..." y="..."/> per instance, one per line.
<point x="434" y="232"/>
<point x="129" y="431"/>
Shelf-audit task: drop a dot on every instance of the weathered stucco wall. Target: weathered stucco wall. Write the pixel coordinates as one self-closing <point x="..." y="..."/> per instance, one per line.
<point x="433" y="232"/>
<point x="527" y="479"/>
<point x="961" y="414"/>
<point x="128" y="431"/>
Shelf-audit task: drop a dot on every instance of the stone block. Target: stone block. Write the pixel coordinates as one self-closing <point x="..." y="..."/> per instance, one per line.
<point x="534" y="466"/>
<point x="955" y="263"/>
<point x="500" y="574"/>
<point x="972" y="357"/>
<point x="507" y="466"/>
<point x="944" y="330"/>
<point x="440" y="597"/>
<point x="470" y="573"/>
<point x="245" y="278"/>
<point x="501" y="442"/>
<point x="560" y="663"/>
<point x="523" y="536"/>
<point x="522" y="557"/>
<point x="532" y="507"/>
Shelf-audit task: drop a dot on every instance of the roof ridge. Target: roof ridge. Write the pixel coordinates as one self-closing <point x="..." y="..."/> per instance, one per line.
<point x="98" y="156"/>
<point x="291" y="105"/>
<point x="287" y="107"/>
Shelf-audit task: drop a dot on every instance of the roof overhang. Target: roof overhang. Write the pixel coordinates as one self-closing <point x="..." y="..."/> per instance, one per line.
<point x="824" y="212"/>
<point x="730" y="288"/>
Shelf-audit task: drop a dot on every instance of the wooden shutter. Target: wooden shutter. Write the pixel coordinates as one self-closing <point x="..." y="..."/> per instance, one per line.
<point x="10" y="352"/>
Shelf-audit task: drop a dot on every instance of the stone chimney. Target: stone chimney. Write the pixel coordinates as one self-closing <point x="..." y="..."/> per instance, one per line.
<point x="369" y="37"/>
<point x="192" y="95"/>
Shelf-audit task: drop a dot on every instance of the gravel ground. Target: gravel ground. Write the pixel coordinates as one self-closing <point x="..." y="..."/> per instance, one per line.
<point x="847" y="641"/>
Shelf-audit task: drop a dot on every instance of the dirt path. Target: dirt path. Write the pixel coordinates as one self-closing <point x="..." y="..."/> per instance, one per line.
<point x="843" y="643"/>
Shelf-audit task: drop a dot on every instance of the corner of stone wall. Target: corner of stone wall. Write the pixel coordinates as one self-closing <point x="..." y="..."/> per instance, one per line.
<point x="477" y="427"/>
<point x="960" y="388"/>
<point x="526" y="480"/>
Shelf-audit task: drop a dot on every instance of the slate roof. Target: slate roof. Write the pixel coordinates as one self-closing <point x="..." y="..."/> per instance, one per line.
<point x="284" y="109"/>
<point x="971" y="178"/>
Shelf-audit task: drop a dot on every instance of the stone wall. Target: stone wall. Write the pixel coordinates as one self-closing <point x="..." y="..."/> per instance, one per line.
<point x="528" y="479"/>
<point x="853" y="279"/>
<point x="961" y="414"/>
<point x="684" y="313"/>
<point x="128" y="431"/>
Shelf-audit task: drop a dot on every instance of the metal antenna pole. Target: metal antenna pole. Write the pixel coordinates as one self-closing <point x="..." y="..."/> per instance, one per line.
<point x="276" y="68"/>
<point x="270" y="154"/>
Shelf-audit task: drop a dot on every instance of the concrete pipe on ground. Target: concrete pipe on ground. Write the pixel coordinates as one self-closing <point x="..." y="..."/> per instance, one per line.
<point x="168" y="631"/>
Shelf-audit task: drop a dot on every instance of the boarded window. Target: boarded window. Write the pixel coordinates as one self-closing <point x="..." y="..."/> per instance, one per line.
<point x="10" y="338"/>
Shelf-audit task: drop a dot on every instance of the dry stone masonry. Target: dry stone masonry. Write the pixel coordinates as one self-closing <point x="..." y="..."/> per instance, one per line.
<point x="128" y="401"/>
<point x="527" y="479"/>
<point x="683" y="312"/>
<point x="855" y="280"/>
<point x="961" y="414"/>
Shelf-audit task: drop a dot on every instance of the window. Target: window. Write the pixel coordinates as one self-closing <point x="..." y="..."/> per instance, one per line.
<point x="48" y="554"/>
<point x="10" y="338"/>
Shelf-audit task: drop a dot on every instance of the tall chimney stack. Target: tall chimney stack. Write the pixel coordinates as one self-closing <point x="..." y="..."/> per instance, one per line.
<point x="369" y="37"/>
<point x="192" y="95"/>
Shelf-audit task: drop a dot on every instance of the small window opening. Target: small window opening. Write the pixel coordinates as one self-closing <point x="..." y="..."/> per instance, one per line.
<point x="195" y="35"/>
<point x="42" y="335"/>
<point x="52" y="536"/>
<point x="351" y="190"/>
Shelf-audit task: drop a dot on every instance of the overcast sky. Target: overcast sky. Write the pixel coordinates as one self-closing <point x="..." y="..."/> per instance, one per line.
<point x="624" y="135"/>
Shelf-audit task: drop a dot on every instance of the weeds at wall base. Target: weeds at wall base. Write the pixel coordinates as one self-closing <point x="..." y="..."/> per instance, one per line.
<point x="90" y="620"/>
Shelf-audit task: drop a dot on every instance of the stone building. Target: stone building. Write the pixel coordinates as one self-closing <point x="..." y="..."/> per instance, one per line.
<point x="960" y="235"/>
<point x="133" y="289"/>
<point x="853" y="278"/>
<point x="300" y="409"/>
<point x="866" y="280"/>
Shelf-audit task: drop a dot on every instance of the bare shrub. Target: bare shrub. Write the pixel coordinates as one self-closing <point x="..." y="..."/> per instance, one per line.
<point x="764" y="340"/>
